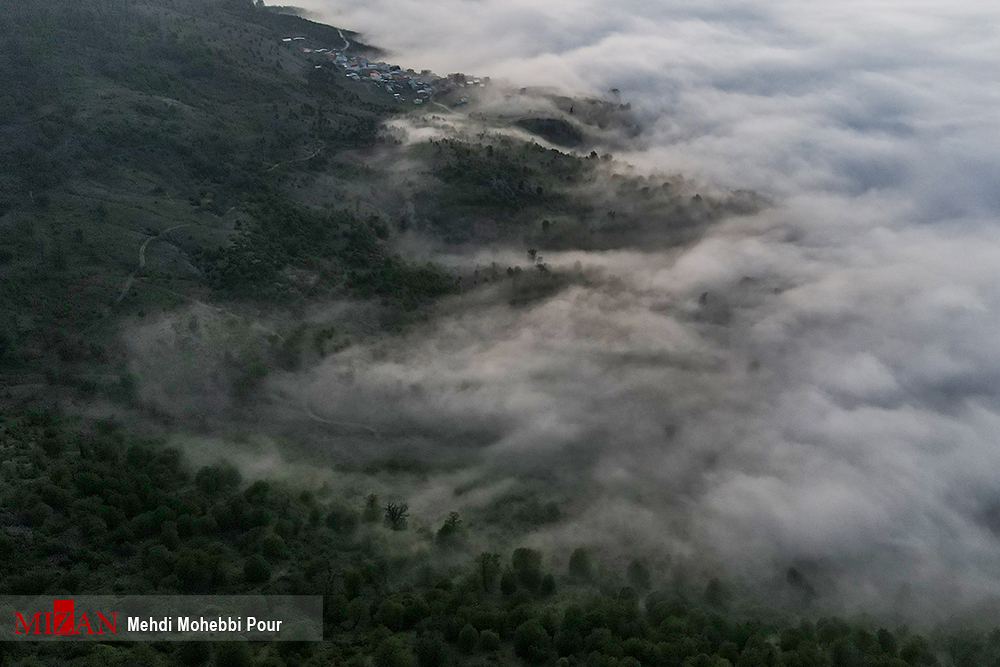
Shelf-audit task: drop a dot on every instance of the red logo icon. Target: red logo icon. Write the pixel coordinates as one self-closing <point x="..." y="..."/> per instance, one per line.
<point x="62" y="621"/>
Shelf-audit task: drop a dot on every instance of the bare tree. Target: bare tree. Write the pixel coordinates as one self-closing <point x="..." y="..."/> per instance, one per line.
<point x="396" y="515"/>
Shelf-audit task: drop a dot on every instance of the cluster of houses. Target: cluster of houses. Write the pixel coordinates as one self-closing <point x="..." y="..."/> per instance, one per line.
<point x="460" y="80"/>
<point x="393" y="79"/>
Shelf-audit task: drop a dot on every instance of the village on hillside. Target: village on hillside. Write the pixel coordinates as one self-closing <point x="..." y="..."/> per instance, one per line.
<point x="405" y="85"/>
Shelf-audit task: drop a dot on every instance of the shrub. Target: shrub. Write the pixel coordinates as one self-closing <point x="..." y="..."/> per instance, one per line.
<point x="531" y="641"/>
<point x="451" y="533"/>
<point x="212" y="480"/>
<point x="38" y="514"/>
<point x="508" y="583"/>
<point x="915" y="651"/>
<point x="548" y="586"/>
<point x="256" y="570"/>
<point x="193" y="654"/>
<point x="274" y="547"/>
<point x="372" y="509"/>
<point x="489" y="641"/>
<point x="233" y="654"/>
<point x="394" y="652"/>
<point x="52" y="444"/>
<point x="638" y="575"/>
<point x="169" y="534"/>
<point x="342" y="520"/>
<point x="527" y="564"/>
<point x="392" y="615"/>
<point x="430" y="650"/>
<point x="468" y="638"/>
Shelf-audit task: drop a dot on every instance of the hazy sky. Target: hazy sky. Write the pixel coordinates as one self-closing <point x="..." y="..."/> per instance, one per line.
<point x="847" y="413"/>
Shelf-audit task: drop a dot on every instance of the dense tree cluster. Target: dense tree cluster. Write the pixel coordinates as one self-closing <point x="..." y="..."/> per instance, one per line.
<point x="122" y="118"/>
<point x="340" y="247"/>
<point x="484" y="175"/>
<point x="88" y="508"/>
<point x="194" y="93"/>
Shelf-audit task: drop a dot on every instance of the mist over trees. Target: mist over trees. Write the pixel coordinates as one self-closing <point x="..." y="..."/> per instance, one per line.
<point x="109" y="511"/>
<point x="265" y="331"/>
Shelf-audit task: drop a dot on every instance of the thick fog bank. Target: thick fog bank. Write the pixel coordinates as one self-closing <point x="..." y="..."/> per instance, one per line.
<point x="816" y="386"/>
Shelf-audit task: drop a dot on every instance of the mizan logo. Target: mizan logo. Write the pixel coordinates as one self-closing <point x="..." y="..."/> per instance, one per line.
<point x="62" y="621"/>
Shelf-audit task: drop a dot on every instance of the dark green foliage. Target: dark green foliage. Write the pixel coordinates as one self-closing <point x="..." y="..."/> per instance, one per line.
<point x="343" y="520"/>
<point x="339" y="244"/>
<point x="482" y="175"/>
<point x="274" y="548"/>
<point x="887" y="642"/>
<point x="192" y="654"/>
<point x="394" y="651"/>
<point x="451" y="533"/>
<point x="716" y="594"/>
<point x="579" y="564"/>
<point x="554" y="130"/>
<point x="532" y="642"/>
<point x="508" y="582"/>
<point x="212" y="480"/>
<point x="752" y="657"/>
<point x="373" y="511"/>
<point x="256" y="570"/>
<point x="52" y="443"/>
<point x="169" y="534"/>
<point x="844" y="653"/>
<point x="152" y="527"/>
<point x="468" y="638"/>
<point x="700" y="660"/>
<point x="392" y="614"/>
<point x="527" y="566"/>
<point x="488" y="569"/>
<point x="489" y="641"/>
<point x="430" y="650"/>
<point x="638" y="575"/>
<point x="119" y="44"/>
<point x="916" y="651"/>
<point x="548" y="585"/>
<point x="233" y="654"/>
<point x="119" y="115"/>
<point x="257" y="492"/>
<point x="567" y="641"/>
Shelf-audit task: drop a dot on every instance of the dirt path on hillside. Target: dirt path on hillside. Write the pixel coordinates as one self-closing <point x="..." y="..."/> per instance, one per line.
<point x="308" y="409"/>
<point x="142" y="259"/>
<point x="451" y="111"/>
<point x="301" y="159"/>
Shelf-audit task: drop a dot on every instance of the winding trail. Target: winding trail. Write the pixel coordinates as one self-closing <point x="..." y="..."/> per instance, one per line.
<point x="347" y="44"/>
<point x="449" y="110"/>
<point x="301" y="159"/>
<point x="142" y="258"/>
<point x="308" y="409"/>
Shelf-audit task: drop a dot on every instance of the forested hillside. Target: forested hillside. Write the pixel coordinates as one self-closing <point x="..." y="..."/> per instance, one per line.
<point x="127" y="125"/>
<point x="173" y="166"/>
<point x="89" y="508"/>
<point x="157" y="155"/>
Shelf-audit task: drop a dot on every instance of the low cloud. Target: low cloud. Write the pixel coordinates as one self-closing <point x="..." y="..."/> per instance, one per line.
<point x="815" y="386"/>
